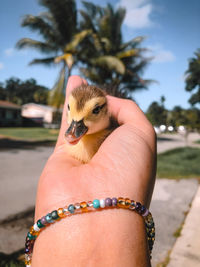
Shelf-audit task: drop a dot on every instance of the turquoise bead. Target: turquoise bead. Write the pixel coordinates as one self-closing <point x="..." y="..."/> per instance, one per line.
<point x="71" y="208"/>
<point x="48" y="218"/>
<point x="96" y="203"/>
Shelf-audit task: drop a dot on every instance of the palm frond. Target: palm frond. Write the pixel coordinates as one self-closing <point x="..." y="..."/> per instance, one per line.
<point x="46" y="61"/>
<point x="77" y="39"/>
<point x="110" y="62"/>
<point x="133" y="43"/>
<point x="86" y="22"/>
<point x="67" y="58"/>
<point x="65" y="16"/>
<point x="92" y="9"/>
<point x="37" y="23"/>
<point x="128" y="53"/>
<point x="38" y="45"/>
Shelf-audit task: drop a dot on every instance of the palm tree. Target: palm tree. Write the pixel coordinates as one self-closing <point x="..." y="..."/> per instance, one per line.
<point x="106" y="59"/>
<point x="193" y="78"/>
<point x="61" y="39"/>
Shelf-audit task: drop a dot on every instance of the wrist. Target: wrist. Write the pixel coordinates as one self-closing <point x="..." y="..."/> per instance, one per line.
<point x="106" y="238"/>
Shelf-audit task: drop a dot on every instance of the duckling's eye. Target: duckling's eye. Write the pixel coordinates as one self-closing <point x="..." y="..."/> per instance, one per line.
<point x="96" y="110"/>
<point x="68" y="107"/>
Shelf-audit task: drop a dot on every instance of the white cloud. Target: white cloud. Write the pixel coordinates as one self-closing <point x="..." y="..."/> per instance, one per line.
<point x="9" y="52"/>
<point x="137" y="13"/>
<point x="1" y="65"/>
<point x="160" y="54"/>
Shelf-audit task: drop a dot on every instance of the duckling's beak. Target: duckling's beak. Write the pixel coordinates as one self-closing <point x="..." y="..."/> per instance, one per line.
<point x="75" y="132"/>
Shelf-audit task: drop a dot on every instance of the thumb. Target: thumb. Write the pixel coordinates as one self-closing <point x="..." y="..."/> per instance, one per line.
<point x="73" y="82"/>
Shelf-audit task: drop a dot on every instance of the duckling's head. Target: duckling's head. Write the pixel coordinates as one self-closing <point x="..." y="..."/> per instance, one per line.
<point x="87" y="113"/>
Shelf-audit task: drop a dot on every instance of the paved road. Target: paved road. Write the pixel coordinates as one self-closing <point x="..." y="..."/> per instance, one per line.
<point x="20" y="170"/>
<point x="171" y="141"/>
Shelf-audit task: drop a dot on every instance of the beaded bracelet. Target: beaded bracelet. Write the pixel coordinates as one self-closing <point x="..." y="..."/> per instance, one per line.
<point x="96" y="204"/>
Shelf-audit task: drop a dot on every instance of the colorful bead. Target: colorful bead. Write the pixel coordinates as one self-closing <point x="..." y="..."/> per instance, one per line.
<point x="48" y="218"/>
<point x="108" y="202"/>
<point x="39" y="224"/>
<point x="114" y="201"/>
<point x="77" y="206"/>
<point x="27" y="250"/>
<point x="138" y="206"/>
<point x="65" y="210"/>
<point x="145" y="213"/>
<point x="54" y="215"/>
<point x="102" y="203"/>
<point x="90" y="204"/>
<point x="127" y="202"/>
<point x="36" y="228"/>
<point x="30" y="236"/>
<point x="96" y="203"/>
<point x="83" y="206"/>
<point x="71" y="208"/>
<point x="121" y="202"/>
<point x="60" y="213"/>
<point x="27" y="257"/>
<point x="43" y="220"/>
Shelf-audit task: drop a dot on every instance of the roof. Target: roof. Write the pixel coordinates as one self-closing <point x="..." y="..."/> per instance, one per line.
<point x="7" y="104"/>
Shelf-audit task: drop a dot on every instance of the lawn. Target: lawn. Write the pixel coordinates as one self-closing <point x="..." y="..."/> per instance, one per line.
<point x="179" y="163"/>
<point x="29" y="134"/>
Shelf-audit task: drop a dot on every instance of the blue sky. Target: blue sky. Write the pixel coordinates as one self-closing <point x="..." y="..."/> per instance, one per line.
<point x="171" y="29"/>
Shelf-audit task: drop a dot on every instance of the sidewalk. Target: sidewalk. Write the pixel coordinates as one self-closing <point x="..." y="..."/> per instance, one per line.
<point x="186" y="251"/>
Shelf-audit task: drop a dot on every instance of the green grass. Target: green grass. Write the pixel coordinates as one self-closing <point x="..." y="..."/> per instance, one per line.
<point x="30" y="134"/>
<point x="179" y="163"/>
<point x="197" y="142"/>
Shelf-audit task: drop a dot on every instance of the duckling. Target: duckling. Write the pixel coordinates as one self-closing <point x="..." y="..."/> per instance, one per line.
<point x="89" y="122"/>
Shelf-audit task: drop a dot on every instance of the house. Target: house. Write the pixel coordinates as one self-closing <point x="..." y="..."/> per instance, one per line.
<point x="10" y="114"/>
<point x="40" y="113"/>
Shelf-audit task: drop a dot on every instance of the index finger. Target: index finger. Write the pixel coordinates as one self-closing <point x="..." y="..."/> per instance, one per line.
<point x="127" y="112"/>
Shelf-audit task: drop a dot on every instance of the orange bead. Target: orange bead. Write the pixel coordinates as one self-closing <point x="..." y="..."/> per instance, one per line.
<point x="121" y="202"/>
<point x="60" y="213"/>
<point x="127" y="202"/>
<point x="27" y="262"/>
<point x="32" y="231"/>
<point x="83" y="206"/>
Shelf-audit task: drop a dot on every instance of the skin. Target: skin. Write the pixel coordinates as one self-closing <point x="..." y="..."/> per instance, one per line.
<point x="123" y="166"/>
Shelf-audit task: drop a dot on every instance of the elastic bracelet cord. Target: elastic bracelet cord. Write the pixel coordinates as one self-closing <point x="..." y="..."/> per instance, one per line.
<point x="82" y="207"/>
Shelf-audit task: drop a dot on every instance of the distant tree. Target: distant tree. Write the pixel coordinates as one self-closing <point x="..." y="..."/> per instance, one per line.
<point x="162" y="100"/>
<point x="2" y="92"/>
<point x="193" y="117"/>
<point x="190" y="118"/>
<point x="157" y="114"/>
<point x="22" y="92"/>
<point x="193" y="78"/>
<point x="61" y="38"/>
<point x="177" y="117"/>
<point x="106" y="58"/>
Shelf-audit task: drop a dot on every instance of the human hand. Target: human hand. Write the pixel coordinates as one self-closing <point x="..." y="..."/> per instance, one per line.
<point x="123" y="166"/>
